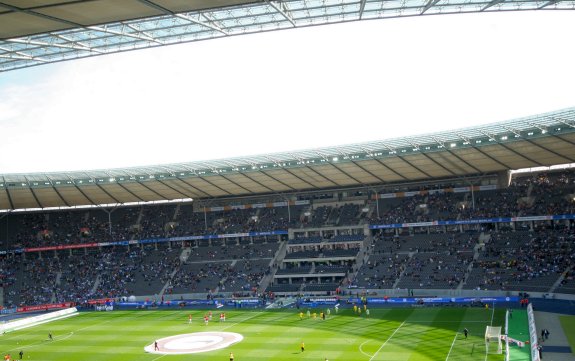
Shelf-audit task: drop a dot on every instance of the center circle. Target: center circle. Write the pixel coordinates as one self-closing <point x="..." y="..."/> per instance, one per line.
<point x="193" y="343"/>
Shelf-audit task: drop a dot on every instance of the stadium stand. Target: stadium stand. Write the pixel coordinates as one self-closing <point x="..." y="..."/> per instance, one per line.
<point x="329" y="246"/>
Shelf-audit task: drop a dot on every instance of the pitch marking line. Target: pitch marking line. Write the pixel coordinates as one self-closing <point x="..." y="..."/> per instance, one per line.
<point x="451" y="348"/>
<point x="386" y="341"/>
<point x="56" y="339"/>
<point x="157" y="358"/>
<point x="361" y="349"/>
<point x="249" y="318"/>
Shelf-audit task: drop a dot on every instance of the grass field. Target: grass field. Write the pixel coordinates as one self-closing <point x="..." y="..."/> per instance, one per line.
<point x="568" y="324"/>
<point x="388" y="334"/>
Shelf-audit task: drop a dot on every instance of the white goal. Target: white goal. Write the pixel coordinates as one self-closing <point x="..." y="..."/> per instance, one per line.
<point x="493" y="339"/>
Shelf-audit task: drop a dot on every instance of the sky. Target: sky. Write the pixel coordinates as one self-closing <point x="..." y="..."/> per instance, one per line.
<point x="286" y="90"/>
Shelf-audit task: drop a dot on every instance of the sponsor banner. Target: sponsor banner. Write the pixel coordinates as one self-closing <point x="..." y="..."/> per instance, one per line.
<point x="434" y="191"/>
<point x="411" y="194"/>
<point x="314" y="302"/>
<point x="472" y="221"/>
<point x="68" y="246"/>
<point x="50" y="306"/>
<point x="419" y="224"/>
<point x="462" y="189"/>
<point x="154" y="240"/>
<point x="563" y="216"/>
<point x="6" y="311"/>
<point x="99" y="301"/>
<point x="490" y="187"/>
<point x="383" y="226"/>
<point x="532" y="218"/>
<point x="254" y="205"/>
<point x="410" y="300"/>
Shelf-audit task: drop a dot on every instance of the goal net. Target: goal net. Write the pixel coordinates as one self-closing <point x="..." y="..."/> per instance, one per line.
<point x="493" y="339"/>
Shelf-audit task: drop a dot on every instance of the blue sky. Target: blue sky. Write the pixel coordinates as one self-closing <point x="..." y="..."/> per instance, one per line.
<point x="286" y="90"/>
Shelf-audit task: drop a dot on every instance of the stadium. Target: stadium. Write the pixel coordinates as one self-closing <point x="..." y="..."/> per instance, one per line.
<point x="448" y="245"/>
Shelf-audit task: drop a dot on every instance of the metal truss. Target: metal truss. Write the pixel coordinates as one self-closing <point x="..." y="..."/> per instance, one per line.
<point x="174" y="28"/>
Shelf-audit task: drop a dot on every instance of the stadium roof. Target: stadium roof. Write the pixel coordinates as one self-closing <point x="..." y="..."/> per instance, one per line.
<point x="541" y="140"/>
<point x="35" y="32"/>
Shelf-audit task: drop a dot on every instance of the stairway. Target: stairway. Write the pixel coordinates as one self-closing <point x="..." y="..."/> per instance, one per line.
<point x="559" y="280"/>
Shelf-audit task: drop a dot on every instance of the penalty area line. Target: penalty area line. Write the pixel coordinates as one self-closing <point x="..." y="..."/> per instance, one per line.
<point x="38" y="343"/>
<point x="386" y="341"/>
<point x="451" y="348"/>
<point x="361" y="348"/>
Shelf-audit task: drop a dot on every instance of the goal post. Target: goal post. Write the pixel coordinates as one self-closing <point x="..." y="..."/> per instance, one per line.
<point x="493" y="339"/>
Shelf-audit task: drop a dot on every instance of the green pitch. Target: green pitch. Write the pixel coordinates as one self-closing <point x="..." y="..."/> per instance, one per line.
<point x="398" y="334"/>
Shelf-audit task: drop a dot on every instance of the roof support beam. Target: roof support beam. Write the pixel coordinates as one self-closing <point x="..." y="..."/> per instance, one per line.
<point x="153" y="191"/>
<point x="82" y="192"/>
<point x="129" y="191"/>
<point x="442" y="143"/>
<point x="520" y="155"/>
<point x="184" y="16"/>
<point x="279" y="181"/>
<point x="506" y="166"/>
<point x="258" y="182"/>
<point x="409" y="163"/>
<point x="368" y="172"/>
<point x="492" y="3"/>
<point x="36" y="198"/>
<point x="108" y="193"/>
<point x="9" y="198"/>
<point x="568" y="123"/>
<point x="283" y="10"/>
<point x="59" y="194"/>
<point x="390" y="169"/>
<point x="122" y="33"/>
<point x="235" y="183"/>
<point x="414" y="166"/>
<point x="19" y="55"/>
<point x="202" y="23"/>
<point x="549" y="3"/>
<point x="439" y="164"/>
<point x="428" y="5"/>
<point x="321" y="175"/>
<point x="359" y="166"/>
<point x="361" y="8"/>
<point x="54" y="45"/>
<point x="174" y="189"/>
<point x="569" y="159"/>
<point x="565" y="140"/>
<point x="215" y="185"/>
<point x="300" y="178"/>
<point x="347" y="174"/>
<point x="195" y="188"/>
<point x="77" y="43"/>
